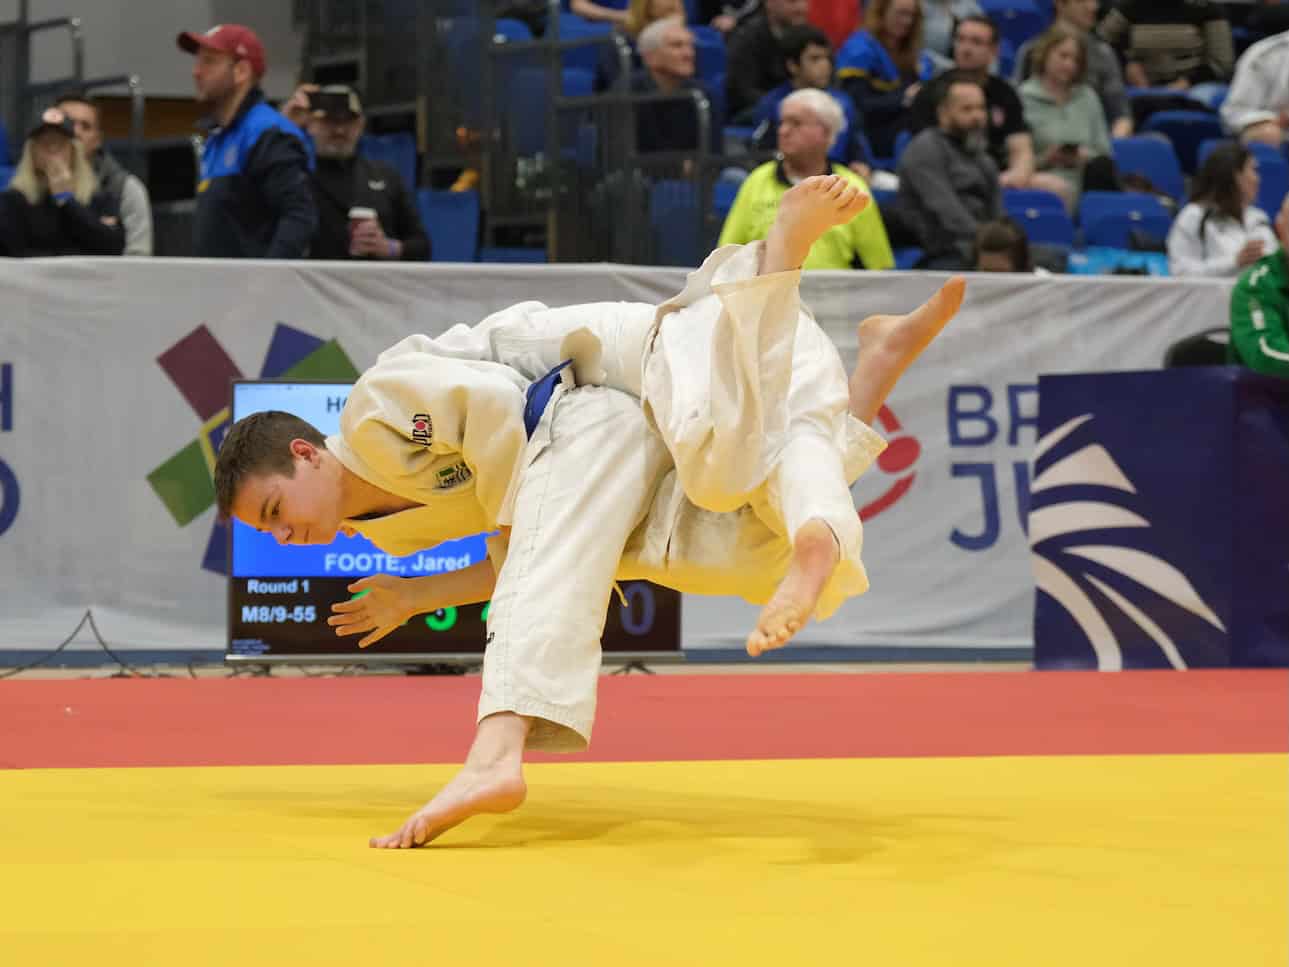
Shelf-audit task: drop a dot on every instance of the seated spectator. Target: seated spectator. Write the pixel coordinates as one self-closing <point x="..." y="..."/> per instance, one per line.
<point x="343" y="180"/>
<point x="1260" y="309"/>
<point x="1065" y="116"/>
<point x="1105" y="75"/>
<point x="640" y="14"/>
<point x="1220" y="231"/>
<point x="948" y="181"/>
<point x="1001" y="246"/>
<point x="807" y="57"/>
<point x="881" y="67"/>
<point x="753" y="63"/>
<point x="1175" y="45"/>
<point x="1257" y="106"/>
<point x="54" y="205"/>
<point x="809" y="121"/>
<point x="940" y="18"/>
<point x="126" y="191"/>
<point x="667" y="49"/>
<point x="975" y="47"/>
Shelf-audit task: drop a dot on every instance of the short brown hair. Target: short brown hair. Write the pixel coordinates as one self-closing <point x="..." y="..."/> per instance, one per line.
<point x="1058" y="34"/>
<point x="257" y="446"/>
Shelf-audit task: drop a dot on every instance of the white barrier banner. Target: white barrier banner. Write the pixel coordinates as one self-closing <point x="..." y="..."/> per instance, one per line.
<point x="113" y="384"/>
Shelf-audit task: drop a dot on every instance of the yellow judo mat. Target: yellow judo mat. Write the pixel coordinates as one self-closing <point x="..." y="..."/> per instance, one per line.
<point x="1036" y="861"/>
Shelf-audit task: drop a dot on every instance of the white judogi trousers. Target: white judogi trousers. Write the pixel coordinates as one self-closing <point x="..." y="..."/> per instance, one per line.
<point x="748" y="436"/>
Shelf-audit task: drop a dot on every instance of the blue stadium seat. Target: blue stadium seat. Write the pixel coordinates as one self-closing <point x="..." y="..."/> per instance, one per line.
<point x="676" y="223"/>
<point x="6" y="173"/>
<point x="906" y="258"/>
<point x="884" y="196"/>
<point x="1186" y="130"/>
<point x="1006" y="58"/>
<point x="1017" y="20"/>
<point x="512" y="254"/>
<point x="1154" y="158"/>
<point x="571" y="26"/>
<point x="1045" y="226"/>
<point x="1019" y="199"/>
<point x="1273" y="172"/>
<point x="397" y="149"/>
<point x="1108" y="217"/>
<point x="526" y="105"/>
<point x="5" y="156"/>
<point x="723" y="195"/>
<point x="709" y="50"/>
<point x="507" y="29"/>
<point x="451" y="219"/>
<point x="1207" y="148"/>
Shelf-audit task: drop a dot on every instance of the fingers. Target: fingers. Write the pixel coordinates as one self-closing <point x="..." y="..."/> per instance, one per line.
<point x="376" y="636"/>
<point x="362" y="584"/>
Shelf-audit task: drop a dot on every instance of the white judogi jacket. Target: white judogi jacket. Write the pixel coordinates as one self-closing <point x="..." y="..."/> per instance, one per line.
<point x="440" y="421"/>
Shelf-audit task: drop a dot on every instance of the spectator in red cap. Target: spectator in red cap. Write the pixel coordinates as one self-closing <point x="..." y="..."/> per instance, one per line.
<point x="54" y="205"/>
<point x="254" y="199"/>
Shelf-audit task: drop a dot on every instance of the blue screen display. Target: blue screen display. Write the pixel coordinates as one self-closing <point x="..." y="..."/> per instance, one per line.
<point x="260" y="555"/>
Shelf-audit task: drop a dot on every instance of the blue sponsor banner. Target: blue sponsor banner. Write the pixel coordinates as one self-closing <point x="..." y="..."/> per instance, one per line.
<point x="1159" y="521"/>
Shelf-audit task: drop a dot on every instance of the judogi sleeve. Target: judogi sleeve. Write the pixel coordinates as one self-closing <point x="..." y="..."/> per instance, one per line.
<point x="410" y="410"/>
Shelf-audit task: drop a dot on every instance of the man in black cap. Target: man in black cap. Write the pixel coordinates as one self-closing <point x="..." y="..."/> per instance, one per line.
<point x="364" y="209"/>
<point x="254" y="199"/>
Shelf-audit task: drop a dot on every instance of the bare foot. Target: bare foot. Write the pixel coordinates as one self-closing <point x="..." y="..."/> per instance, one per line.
<point x="888" y="345"/>
<point x="814" y="557"/>
<point x="908" y="335"/>
<point x="491" y="781"/>
<point x="496" y="789"/>
<point x="806" y="211"/>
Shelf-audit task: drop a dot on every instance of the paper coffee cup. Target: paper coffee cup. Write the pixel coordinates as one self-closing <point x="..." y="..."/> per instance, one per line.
<point x="357" y="215"/>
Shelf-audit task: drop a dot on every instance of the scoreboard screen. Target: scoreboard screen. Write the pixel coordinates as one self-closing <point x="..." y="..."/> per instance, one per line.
<point x="280" y="596"/>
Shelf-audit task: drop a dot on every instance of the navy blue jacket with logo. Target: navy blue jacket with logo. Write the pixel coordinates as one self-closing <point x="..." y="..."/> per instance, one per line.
<point x="254" y="200"/>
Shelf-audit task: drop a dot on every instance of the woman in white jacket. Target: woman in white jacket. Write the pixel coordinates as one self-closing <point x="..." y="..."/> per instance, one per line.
<point x="1221" y="232"/>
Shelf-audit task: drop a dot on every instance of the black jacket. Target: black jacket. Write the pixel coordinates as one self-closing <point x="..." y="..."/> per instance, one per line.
<point x="254" y="199"/>
<point x="52" y="229"/>
<point x="362" y="182"/>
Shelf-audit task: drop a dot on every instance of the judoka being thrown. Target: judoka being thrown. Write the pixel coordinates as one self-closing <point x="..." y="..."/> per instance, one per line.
<point x="707" y="444"/>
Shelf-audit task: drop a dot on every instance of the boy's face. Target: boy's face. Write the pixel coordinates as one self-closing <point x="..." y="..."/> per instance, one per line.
<point x="814" y="69"/>
<point x="301" y="509"/>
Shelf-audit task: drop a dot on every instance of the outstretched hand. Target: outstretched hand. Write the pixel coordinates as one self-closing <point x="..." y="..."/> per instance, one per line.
<point x="381" y="605"/>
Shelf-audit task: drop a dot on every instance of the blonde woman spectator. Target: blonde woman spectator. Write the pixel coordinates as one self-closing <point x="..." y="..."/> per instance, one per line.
<point x="1220" y="232"/>
<point x="1064" y="114"/>
<point x="53" y="205"/>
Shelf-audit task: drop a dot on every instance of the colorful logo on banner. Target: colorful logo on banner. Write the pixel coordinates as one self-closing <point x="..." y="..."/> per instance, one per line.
<point x="901" y="453"/>
<point x="1096" y="554"/>
<point x="203" y="373"/>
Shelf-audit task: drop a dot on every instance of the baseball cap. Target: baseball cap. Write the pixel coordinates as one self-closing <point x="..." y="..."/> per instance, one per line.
<point x="52" y="119"/>
<point x="335" y="101"/>
<point x="232" y="39"/>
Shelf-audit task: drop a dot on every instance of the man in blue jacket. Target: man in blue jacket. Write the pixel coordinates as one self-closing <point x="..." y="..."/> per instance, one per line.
<point x="254" y="199"/>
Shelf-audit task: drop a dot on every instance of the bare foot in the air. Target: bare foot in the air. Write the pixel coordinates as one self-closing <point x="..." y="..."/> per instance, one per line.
<point x="806" y="211"/>
<point x="888" y="345"/>
<point x="906" y="336"/>
<point x="491" y="781"/>
<point x="814" y="557"/>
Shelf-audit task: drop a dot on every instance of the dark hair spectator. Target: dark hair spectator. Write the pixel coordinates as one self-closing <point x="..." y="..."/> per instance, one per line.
<point x="1001" y="246"/>
<point x="1220" y="232"/>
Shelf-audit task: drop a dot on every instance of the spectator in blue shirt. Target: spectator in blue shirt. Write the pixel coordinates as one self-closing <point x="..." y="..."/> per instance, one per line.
<point x="882" y="68"/>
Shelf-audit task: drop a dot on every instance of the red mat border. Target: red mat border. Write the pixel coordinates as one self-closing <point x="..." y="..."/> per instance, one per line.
<point x="180" y="722"/>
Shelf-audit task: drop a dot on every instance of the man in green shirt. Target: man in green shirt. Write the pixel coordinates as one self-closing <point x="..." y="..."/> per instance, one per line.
<point x="809" y="121"/>
<point x="1260" y="309"/>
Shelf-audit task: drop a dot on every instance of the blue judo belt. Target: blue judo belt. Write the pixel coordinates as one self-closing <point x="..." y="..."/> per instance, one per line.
<point x="539" y="394"/>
